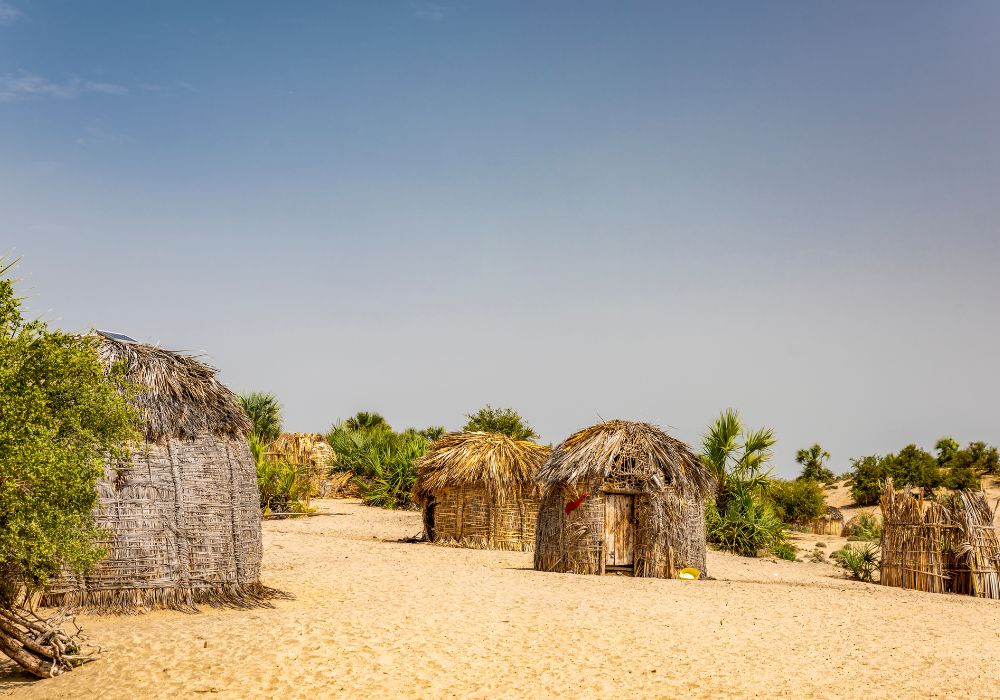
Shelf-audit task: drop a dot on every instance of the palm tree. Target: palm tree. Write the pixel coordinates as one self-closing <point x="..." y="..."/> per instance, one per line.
<point x="265" y="413"/>
<point x="730" y="449"/>
<point x="813" y="461"/>
<point x="364" y="420"/>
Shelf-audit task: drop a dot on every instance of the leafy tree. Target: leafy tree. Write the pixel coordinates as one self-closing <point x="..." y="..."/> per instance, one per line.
<point x="62" y="414"/>
<point x="866" y="479"/>
<point x="500" y="420"/>
<point x="813" y="461"/>
<point x="741" y="518"/>
<point x="265" y="412"/>
<point x="797" y="502"/>
<point x="913" y="466"/>
<point x="946" y="448"/>
<point x="363" y="420"/>
<point x="977" y="457"/>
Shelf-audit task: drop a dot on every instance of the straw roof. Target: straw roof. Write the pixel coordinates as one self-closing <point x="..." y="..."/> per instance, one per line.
<point x="592" y="453"/>
<point x="496" y="461"/>
<point x="182" y="397"/>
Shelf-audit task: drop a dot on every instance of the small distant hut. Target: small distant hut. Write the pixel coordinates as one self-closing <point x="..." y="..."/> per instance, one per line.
<point x="478" y="490"/>
<point x="622" y="497"/>
<point x="830" y="523"/>
<point x="183" y="518"/>
<point x="310" y="451"/>
<point x="948" y="545"/>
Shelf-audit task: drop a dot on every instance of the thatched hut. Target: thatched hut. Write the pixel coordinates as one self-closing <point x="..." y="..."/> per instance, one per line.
<point x="183" y="517"/>
<point x="478" y="490"/>
<point x="622" y="497"/>
<point x="310" y="451"/>
<point x="830" y="523"/>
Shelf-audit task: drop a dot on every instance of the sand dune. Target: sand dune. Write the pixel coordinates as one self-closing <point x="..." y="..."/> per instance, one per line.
<point x="374" y="617"/>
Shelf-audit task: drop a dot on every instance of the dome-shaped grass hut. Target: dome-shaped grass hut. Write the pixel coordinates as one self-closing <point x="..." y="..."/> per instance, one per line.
<point x="622" y="497"/>
<point x="183" y="518"/>
<point x="478" y="490"/>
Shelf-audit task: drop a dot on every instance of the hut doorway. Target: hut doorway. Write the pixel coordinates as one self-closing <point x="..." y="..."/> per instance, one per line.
<point x="429" y="519"/>
<point x="619" y="532"/>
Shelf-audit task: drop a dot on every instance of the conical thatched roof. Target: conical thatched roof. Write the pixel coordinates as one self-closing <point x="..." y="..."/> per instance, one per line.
<point x="182" y="397"/>
<point x="592" y="453"/>
<point x="495" y="461"/>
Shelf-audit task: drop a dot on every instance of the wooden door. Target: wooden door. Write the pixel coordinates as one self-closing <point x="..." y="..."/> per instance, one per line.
<point x="619" y="516"/>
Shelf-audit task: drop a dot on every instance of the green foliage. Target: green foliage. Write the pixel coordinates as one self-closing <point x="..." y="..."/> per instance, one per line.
<point x="797" y="502"/>
<point x="866" y="479"/>
<point x="813" y="461"/>
<point x="785" y="550"/>
<point x="433" y="432"/>
<point x="265" y="413"/>
<point x="953" y="468"/>
<point x="61" y="414"/>
<point x="977" y="457"/>
<point x="382" y="462"/>
<point x="730" y="448"/>
<point x="860" y="561"/>
<point x="500" y="420"/>
<point x="284" y="487"/>
<point x="366" y="420"/>
<point x="747" y="526"/>
<point x="866" y="527"/>
<point x="741" y="518"/>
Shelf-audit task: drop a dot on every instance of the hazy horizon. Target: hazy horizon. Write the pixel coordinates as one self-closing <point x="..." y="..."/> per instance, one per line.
<point x="579" y="210"/>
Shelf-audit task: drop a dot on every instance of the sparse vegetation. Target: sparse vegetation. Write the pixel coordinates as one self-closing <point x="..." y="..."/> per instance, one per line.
<point x="867" y="527"/>
<point x="785" y="550"/>
<point x="860" y="561"/>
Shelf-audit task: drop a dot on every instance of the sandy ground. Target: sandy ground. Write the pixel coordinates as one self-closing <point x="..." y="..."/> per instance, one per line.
<point x="374" y="617"/>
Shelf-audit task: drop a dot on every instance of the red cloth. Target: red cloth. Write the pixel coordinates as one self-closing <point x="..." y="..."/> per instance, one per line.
<point x="573" y="505"/>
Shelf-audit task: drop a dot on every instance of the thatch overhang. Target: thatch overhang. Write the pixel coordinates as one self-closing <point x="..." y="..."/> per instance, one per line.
<point x="592" y="454"/>
<point x="496" y="462"/>
<point x="179" y="396"/>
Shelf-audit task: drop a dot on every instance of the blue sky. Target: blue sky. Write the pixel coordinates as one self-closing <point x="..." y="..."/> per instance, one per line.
<point x="579" y="209"/>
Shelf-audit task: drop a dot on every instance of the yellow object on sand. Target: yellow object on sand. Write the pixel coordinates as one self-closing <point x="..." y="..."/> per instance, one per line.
<point x="689" y="574"/>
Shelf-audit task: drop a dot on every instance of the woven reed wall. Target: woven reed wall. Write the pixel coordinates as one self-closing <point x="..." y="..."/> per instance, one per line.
<point x="927" y="546"/>
<point x="183" y="524"/>
<point x="669" y="532"/>
<point x="473" y="517"/>
<point x="826" y="525"/>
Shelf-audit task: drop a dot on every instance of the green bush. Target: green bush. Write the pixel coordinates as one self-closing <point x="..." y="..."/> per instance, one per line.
<point x="63" y="414"/>
<point x="866" y="527"/>
<point x="748" y="525"/>
<point x="741" y="519"/>
<point x="500" y="420"/>
<point x="383" y="462"/>
<point x="860" y="561"/>
<point x="910" y="467"/>
<point x="797" y="502"/>
<point x="785" y="550"/>
<point x="283" y="487"/>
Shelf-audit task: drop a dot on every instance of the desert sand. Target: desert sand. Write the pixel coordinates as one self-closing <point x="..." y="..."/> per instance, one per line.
<point x="375" y="617"/>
